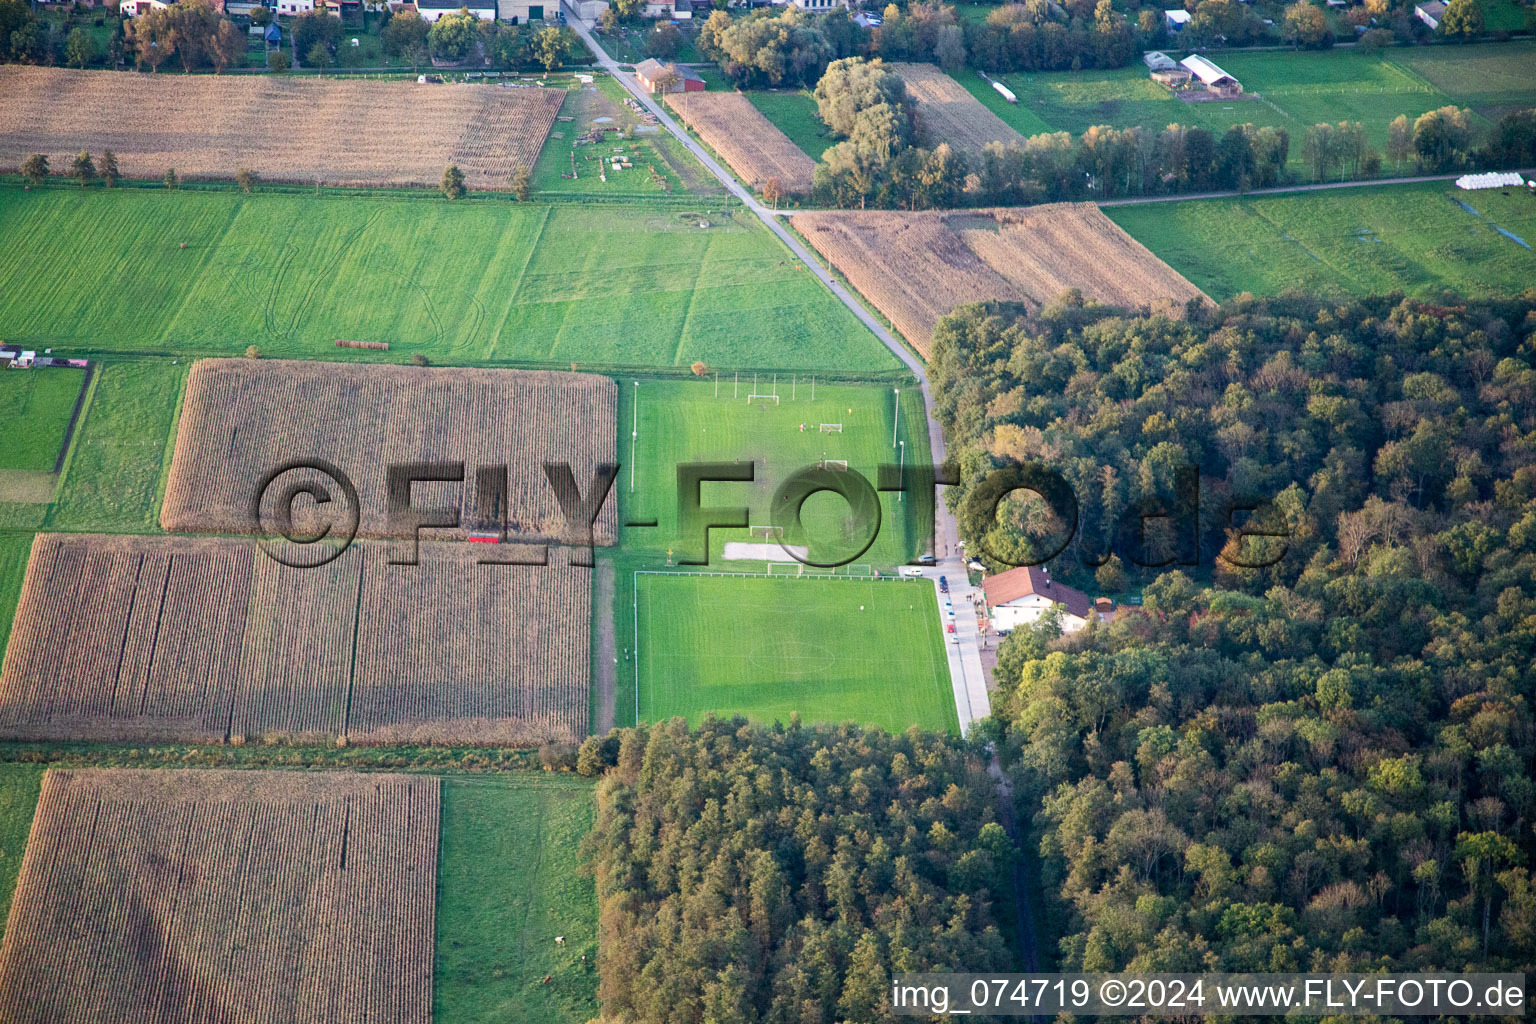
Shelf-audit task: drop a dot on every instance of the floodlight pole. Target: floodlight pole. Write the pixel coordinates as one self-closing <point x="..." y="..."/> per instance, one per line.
<point x="634" y="434"/>
<point x="901" y="464"/>
<point x="897" y="419"/>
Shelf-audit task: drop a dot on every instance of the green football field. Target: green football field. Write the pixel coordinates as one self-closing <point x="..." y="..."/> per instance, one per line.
<point x="1297" y="89"/>
<point x="211" y="272"/>
<point x="35" y="407"/>
<point x="1416" y="239"/>
<point x="679" y="422"/>
<point x="509" y="881"/>
<point x="869" y="651"/>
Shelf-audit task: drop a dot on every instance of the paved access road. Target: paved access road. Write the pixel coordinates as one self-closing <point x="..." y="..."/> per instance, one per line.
<point x="965" y="671"/>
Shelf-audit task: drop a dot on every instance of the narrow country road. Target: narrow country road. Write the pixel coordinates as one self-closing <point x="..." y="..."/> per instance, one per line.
<point x="965" y="672"/>
<point x="1279" y="190"/>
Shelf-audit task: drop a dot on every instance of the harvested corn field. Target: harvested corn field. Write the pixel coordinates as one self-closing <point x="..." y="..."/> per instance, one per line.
<point x="243" y="419"/>
<point x="202" y="640"/>
<point x="283" y="128"/>
<point x="749" y="142"/>
<point x="916" y="267"/>
<point x="947" y="112"/>
<point x="224" y="897"/>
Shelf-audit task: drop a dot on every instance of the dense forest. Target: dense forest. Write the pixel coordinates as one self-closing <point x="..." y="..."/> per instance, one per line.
<point x="781" y="875"/>
<point x="1322" y="765"/>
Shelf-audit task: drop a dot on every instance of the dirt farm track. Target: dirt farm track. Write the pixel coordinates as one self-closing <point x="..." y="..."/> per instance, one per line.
<point x="283" y="129"/>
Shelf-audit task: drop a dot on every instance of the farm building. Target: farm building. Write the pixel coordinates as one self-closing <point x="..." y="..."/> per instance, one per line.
<point x="1157" y="60"/>
<point x="521" y="12"/>
<point x="1214" y="79"/>
<point x="134" y="8"/>
<point x="819" y="5"/>
<point x="431" y="10"/>
<point x="651" y="74"/>
<point x="677" y="10"/>
<point x="1021" y="596"/>
<point x="295" y="6"/>
<point x="1175" y="20"/>
<point x="1430" y="13"/>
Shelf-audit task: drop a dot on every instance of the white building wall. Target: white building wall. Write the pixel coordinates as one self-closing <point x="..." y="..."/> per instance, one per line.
<point x="1026" y="611"/>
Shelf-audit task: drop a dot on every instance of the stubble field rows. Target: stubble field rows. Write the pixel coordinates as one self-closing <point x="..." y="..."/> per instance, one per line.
<point x="748" y="141"/>
<point x="243" y="419"/>
<point x="917" y="267"/>
<point x="225" y="896"/>
<point x="342" y="132"/>
<point x="204" y="640"/>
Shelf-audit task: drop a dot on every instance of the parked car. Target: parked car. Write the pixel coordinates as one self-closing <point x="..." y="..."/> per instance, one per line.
<point x="950" y="628"/>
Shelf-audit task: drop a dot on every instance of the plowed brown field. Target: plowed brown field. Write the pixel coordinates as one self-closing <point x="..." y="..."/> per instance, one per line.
<point x="201" y="640"/>
<point x="243" y="418"/>
<point x="225" y="897"/>
<point x="947" y="112"/>
<point x="917" y="267"/>
<point x="749" y="142"/>
<point x="283" y="128"/>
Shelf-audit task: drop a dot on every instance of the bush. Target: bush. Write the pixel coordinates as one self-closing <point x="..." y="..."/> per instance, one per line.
<point x="252" y="352"/>
<point x="246" y="179"/>
<point x="278" y="62"/>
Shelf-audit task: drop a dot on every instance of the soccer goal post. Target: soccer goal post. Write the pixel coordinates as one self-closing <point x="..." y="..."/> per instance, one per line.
<point x="766" y="532"/>
<point x="785" y="568"/>
<point x="831" y="428"/>
<point x="835" y="465"/>
<point x="763" y="398"/>
<point x="858" y="570"/>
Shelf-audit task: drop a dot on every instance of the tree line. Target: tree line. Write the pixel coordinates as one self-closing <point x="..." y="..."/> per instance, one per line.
<point x="1324" y="765"/>
<point x="882" y="163"/>
<point x="749" y="874"/>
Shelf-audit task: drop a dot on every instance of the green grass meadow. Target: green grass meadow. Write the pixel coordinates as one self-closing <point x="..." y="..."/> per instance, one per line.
<point x="1297" y="89"/>
<point x="832" y="650"/>
<point x="1410" y="238"/>
<point x="15" y="549"/>
<point x="119" y="454"/>
<point x="35" y="407"/>
<point x="20" y="785"/>
<point x="476" y="281"/>
<point x="509" y="881"/>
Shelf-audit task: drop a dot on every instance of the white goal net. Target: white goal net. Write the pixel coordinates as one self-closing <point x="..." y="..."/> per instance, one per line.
<point x="766" y="532"/>
<point x="835" y="465"/>
<point x="831" y="428"/>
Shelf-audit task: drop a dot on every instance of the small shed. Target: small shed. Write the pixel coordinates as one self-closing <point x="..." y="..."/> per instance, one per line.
<point x="1175" y="20"/>
<point x="1157" y="60"/>
<point x="273" y="34"/>
<point x="1430" y="13"/>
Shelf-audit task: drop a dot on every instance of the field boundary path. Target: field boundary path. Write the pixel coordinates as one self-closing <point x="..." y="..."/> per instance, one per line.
<point x="606" y="677"/>
<point x="971" y="702"/>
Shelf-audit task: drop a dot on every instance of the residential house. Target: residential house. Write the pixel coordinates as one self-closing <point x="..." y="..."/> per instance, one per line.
<point x="521" y="12"/>
<point x="819" y="5"/>
<point x="1430" y="13"/>
<point x="293" y="8"/>
<point x="676" y="10"/>
<point x="1019" y="597"/>
<point x="134" y="8"/>
<point x="684" y="79"/>
<point x="431" y="10"/>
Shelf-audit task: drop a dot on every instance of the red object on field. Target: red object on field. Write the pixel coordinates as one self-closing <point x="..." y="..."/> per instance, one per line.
<point x="950" y="628"/>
